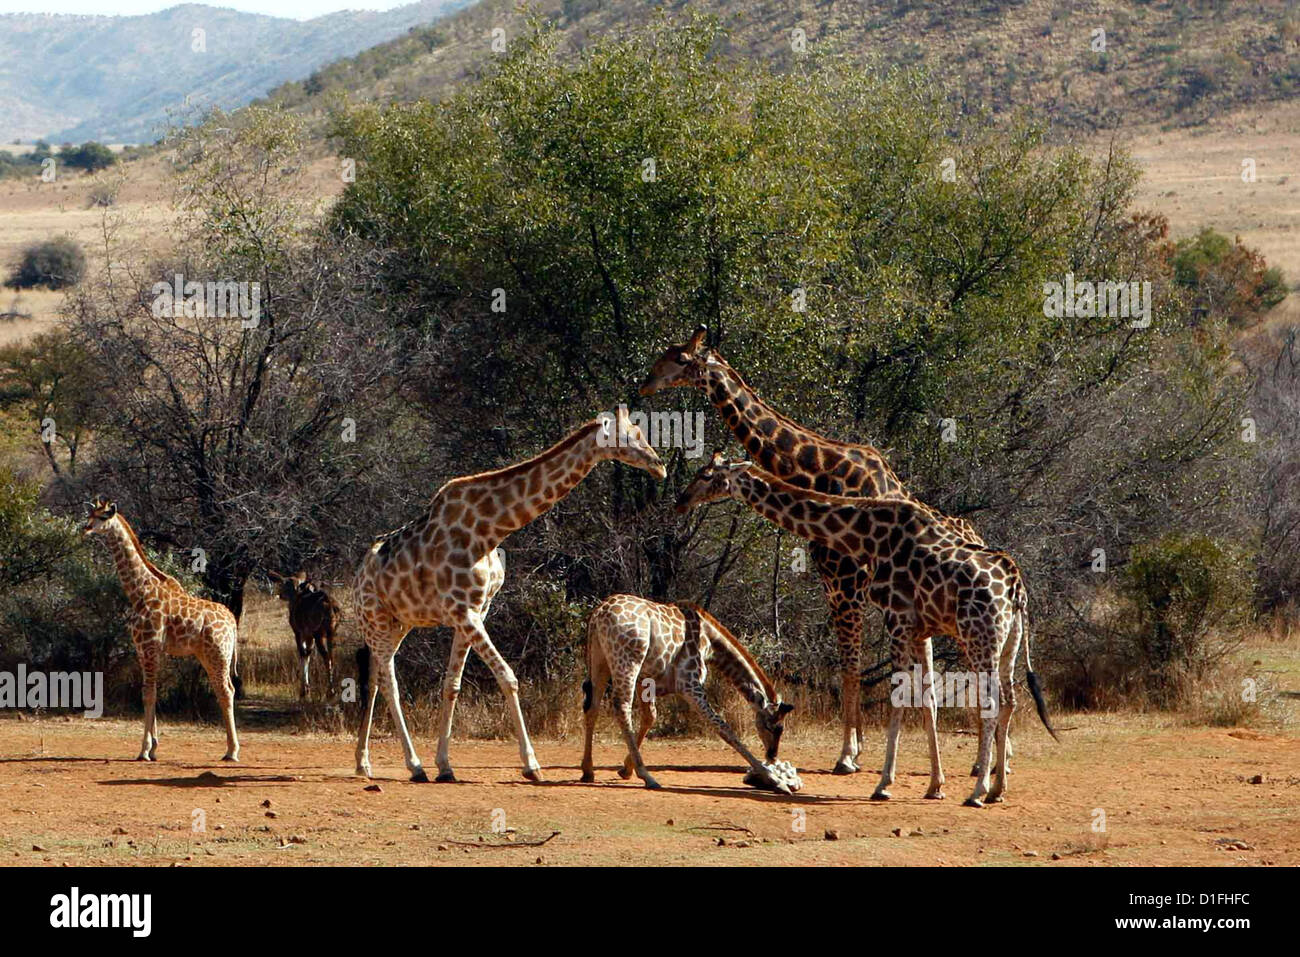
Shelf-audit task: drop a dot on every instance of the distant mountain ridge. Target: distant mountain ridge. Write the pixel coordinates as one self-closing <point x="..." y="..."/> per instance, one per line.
<point x="118" y="78"/>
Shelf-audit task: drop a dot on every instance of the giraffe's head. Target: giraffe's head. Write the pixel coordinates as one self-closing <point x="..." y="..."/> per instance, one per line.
<point x="770" y="721"/>
<point x="679" y="365"/>
<point x="623" y="441"/>
<point x="102" y="514"/>
<point x="716" y="480"/>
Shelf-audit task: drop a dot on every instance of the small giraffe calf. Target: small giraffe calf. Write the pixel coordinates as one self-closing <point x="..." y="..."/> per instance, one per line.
<point x="650" y="650"/>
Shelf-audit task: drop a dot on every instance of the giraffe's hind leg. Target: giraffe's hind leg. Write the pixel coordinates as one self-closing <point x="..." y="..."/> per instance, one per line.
<point x="840" y="582"/>
<point x="981" y="637"/>
<point x="217" y="665"/>
<point x="1006" y="706"/>
<point x="925" y="652"/>
<point x="649" y="714"/>
<point x="595" y="691"/>
<point x="624" y="692"/>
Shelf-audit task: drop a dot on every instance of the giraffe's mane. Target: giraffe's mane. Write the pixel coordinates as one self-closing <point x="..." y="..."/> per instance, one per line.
<point x="510" y="471"/>
<point x="795" y="427"/>
<point x="812" y="495"/>
<point x="154" y="570"/>
<point x="740" y="650"/>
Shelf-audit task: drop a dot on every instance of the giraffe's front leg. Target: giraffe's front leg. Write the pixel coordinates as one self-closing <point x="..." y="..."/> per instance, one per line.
<point x="695" y="694"/>
<point x="509" y="684"/>
<point x="900" y="658"/>
<point x="149" y="676"/>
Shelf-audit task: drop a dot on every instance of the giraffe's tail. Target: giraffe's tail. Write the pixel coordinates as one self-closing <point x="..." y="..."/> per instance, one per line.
<point x="363" y="673"/>
<point x="587" y="687"/>
<point x="1031" y="679"/>
<point x="235" y="680"/>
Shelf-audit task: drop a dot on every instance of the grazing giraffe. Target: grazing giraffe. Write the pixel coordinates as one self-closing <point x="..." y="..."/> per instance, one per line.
<point x="633" y="641"/>
<point x="444" y="568"/>
<point x="925" y="580"/>
<point x="806" y="460"/>
<point x="164" y="618"/>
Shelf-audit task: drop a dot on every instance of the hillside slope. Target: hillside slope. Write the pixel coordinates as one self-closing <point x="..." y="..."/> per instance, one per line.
<point x="72" y="78"/>
<point x="1174" y="62"/>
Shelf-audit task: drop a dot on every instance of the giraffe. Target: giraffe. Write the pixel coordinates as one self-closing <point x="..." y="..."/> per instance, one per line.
<point x="807" y="460"/>
<point x="925" y="580"/>
<point x="650" y="650"/>
<point x="444" y="568"/>
<point x="164" y="618"/>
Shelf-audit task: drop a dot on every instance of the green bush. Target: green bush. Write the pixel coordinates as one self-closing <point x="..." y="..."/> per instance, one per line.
<point x="57" y="263"/>
<point x="90" y="156"/>
<point x="1184" y="590"/>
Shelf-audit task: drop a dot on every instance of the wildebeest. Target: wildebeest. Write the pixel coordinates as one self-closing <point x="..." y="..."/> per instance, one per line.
<point x="313" y="616"/>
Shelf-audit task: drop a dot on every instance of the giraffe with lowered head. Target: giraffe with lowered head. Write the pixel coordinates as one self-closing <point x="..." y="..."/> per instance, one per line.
<point x="444" y="568"/>
<point x="806" y="460"/>
<point x="166" y="619"/>
<point x="647" y="650"/>
<point x="925" y="580"/>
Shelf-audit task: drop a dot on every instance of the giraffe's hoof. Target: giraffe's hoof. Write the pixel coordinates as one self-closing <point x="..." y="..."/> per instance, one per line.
<point x="533" y="774"/>
<point x="935" y="795"/>
<point x="230" y="757"/>
<point x="845" y="766"/>
<point x="653" y="785"/>
<point x="972" y="802"/>
<point x="363" y="770"/>
<point x="418" y="776"/>
<point x="143" y="757"/>
<point x="624" y="773"/>
<point x="994" y="799"/>
<point x="445" y="777"/>
<point x="881" y="795"/>
<point x="588" y="777"/>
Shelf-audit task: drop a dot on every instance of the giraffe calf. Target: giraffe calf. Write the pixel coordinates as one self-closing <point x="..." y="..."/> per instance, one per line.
<point x="648" y="650"/>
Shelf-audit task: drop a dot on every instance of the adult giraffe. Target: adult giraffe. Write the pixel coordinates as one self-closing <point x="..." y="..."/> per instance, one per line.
<point x="808" y="460"/>
<point x="926" y="581"/>
<point x="443" y="568"/>
<point x="166" y="619"/>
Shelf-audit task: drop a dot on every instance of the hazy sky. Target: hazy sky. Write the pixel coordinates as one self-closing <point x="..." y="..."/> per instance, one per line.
<point x="299" y="9"/>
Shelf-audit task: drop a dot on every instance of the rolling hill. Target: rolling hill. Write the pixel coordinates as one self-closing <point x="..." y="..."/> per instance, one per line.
<point x="73" y="78"/>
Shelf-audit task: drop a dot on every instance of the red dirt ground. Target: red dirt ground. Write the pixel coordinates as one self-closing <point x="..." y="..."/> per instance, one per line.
<point x="70" y="794"/>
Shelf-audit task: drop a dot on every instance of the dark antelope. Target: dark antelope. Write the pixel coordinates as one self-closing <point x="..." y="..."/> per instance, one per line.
<point x="313" y="616"/>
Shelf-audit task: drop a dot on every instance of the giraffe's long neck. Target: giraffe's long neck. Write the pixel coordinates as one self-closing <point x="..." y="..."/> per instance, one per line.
<point x="785" y="448"/>
<point x="138" y="581"/>
<point x="738" y="669"/>
<point x="846" y="529"/>
<point x="517" y="495"/>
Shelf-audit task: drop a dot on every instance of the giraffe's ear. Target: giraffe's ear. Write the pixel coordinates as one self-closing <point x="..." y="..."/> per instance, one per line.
<point x="697" y="338"/>
<point x="110" y="510"/>
<point x="784" y="708"/>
